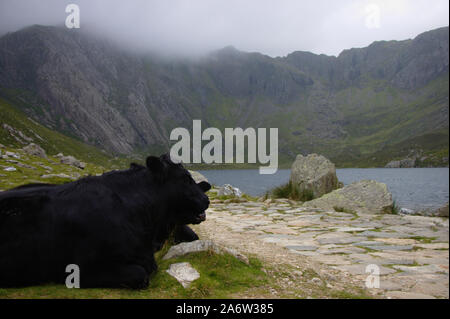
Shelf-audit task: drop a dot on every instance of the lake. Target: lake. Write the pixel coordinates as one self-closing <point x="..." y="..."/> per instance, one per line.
<point x="413" y="188"/>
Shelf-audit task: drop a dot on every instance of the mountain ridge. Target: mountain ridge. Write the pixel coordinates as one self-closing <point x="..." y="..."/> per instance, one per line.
<point x="363" y="100"/>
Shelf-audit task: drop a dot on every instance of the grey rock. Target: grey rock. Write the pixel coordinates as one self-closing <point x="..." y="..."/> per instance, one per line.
<point x="360" y="269"/>
<point x="202" y="245"/>
<point x="393" y="164"/>
<point x="365" y="196"/>
<point x="441" y="212"/>
<point x="404" y="163"/>
<point x="341" y="240"/>
<point x="229" y="190"/>
<point x="198" y="177"/>
<point x="184" y="273"/>
<point x="303" y="248"/>
<point x="70" y="160"/>
<point x="61" y="175"/>
<point x="408" y="295"/>
<point x="314" y="173"/>
<point x="25" y="165"/>
<point x="389" y="247"/>
<point x="406" y="211"/>
<point x="35" y="150"/>
<point x="12" y="154"/>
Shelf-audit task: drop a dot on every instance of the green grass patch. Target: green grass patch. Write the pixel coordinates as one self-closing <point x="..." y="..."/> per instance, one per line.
<point x="289" y="190"/>
<point x="422" y="239"/>
<point x="221" y="275"/>
<point x="342" y="294"/>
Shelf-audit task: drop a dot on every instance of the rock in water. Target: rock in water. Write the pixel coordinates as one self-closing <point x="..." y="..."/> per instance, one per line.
<point x="314" y="173"/>
<point x="35" y="150"/>
<point x="184" y="273"/>
<point x="229" y="190"/>
<point x="365" y="196"/>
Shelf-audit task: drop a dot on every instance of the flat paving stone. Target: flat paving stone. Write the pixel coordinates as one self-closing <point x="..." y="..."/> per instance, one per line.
<point x="370" y="259"/>
<point x="407" y="295"/>
<point x="384" y="234"/>
<point x="341" y="250"/>
<point x="351" y="229"/>
<point x="310" y="248"/>
<point x="416" y="269"/>
<point x="333" y="260"/>
<point x="428" y="269"/>
<point x="396" y="241"/>
<point x="433" y="246"/>
<point x="341" y="240"/>
<point x="360" y="269"/>
<point x="389" y="285"/>
<point x="389" y="247"/>
<point x="298" y="223"/>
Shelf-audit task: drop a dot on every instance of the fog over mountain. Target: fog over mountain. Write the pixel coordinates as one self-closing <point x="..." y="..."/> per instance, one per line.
<point x="275" y="28"/>
<point x="368" y="104"/>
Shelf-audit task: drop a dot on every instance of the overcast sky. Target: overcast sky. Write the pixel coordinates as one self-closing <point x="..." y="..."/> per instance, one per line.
<point x="273" y="27"/>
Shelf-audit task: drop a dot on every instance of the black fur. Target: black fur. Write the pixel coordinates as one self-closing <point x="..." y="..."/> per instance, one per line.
<point x="109" y="225"/>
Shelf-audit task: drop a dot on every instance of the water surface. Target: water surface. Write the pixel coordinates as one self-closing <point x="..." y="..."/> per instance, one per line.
<point x="413" y="188"/>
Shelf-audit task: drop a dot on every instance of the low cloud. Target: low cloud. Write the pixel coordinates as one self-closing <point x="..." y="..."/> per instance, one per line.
<point x="273" y="27"/>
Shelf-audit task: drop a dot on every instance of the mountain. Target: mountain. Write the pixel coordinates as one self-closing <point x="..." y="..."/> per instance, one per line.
<point x="357" y="108"/>
<point x="18" y="130"/>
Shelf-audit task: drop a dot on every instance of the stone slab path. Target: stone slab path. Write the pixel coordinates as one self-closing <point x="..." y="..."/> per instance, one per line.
<point x="411" y="253"/>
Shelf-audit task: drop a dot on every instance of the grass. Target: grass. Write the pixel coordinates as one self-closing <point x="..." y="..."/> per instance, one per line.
<point x="37" y="167"/>
<point x="51" y="141"/>
<point x="221" y="276"/>
<point x="422" y="239"/>
<point x="340" y="294"/>
<point x="289" y="190"/>
<point x="395" y="210"/>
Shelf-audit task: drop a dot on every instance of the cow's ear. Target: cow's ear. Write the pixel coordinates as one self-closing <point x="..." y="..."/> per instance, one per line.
<point x="155" y="165"/>
<point x="204" y="186"/>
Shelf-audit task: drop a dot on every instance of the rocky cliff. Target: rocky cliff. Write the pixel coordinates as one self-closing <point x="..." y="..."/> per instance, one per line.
<point x="346" y="107"/>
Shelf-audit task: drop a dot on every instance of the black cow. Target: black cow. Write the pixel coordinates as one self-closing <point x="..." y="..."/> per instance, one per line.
<point x="109" y="225"/>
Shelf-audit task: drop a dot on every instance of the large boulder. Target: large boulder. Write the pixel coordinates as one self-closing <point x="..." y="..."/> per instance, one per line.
<point x="70" y="160"/>
<point x="365" y="196"/>
<point x="314" y="173"/>
<point x="35" y="150"/>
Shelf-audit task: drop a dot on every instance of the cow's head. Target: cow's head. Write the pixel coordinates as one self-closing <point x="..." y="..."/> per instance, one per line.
<point x="187" y="200"/>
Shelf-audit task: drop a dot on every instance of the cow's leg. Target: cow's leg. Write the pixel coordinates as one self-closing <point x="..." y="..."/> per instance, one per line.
<point x="115" y="276"/>
<point x="184" y="233"/>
